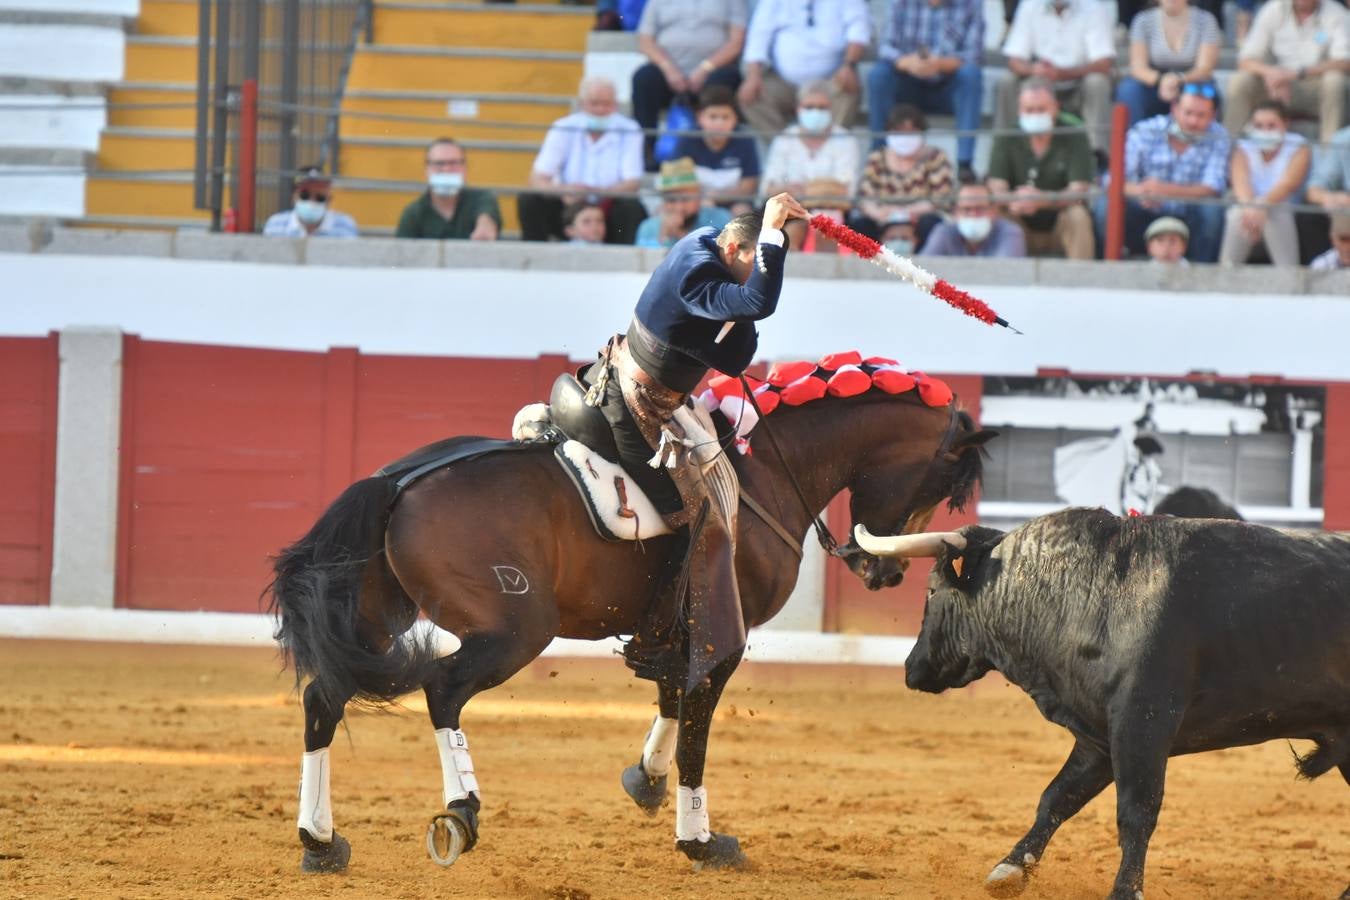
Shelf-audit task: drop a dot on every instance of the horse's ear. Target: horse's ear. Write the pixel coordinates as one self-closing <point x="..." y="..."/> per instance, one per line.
<point x="975" y="439"/>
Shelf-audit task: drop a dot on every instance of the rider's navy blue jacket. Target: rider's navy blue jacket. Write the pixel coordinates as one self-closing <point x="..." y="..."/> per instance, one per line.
<point x="692" y="295"/>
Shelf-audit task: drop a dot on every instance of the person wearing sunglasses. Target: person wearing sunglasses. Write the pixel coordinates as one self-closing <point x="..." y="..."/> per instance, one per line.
<point x="311" y="213"/>
<point x="1176" y="165"/>
<point x="1298" y="52"/>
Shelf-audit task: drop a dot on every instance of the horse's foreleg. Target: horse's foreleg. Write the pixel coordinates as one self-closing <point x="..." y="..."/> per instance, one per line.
<point x="325" y="849"/>
<point x="692" y="833"/>
<point x="645" y="781"/>
<point x="483" y="660"/>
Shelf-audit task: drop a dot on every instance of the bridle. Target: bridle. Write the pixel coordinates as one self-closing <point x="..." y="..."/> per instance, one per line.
<point x="827" y="540"/>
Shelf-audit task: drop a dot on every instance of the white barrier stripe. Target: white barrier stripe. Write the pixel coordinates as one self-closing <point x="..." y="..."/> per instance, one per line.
<point x="255" y="630"/>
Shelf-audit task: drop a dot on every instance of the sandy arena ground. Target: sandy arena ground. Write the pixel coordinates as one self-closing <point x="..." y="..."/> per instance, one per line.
<point x="147" y="771"/>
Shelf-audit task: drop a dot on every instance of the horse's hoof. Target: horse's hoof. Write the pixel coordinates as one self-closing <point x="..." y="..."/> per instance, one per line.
<point x="721" y="851"/>
<point x="324" y="856"/>
<point x="452" y="833"/>
<point x="647" y="792"/>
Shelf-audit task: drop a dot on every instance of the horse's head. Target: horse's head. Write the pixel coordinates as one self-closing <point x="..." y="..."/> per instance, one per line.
<point x="901" y="480"/>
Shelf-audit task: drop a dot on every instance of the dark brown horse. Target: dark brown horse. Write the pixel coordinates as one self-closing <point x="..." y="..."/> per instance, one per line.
<point x="499" y="551"/>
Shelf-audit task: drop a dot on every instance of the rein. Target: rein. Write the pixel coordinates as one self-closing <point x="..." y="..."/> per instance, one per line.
<point x="823" y="534"/>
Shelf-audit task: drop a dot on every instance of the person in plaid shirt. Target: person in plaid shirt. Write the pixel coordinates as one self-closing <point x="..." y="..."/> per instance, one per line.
<point x="1170" y="160"/>
<point x="930" y="56"/>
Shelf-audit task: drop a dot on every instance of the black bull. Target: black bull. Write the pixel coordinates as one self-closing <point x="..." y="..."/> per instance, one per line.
<point x="1146" y="637"/>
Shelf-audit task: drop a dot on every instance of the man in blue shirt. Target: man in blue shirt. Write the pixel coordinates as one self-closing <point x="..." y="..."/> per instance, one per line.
<point x="929" y="55"/>
<point x="698" y="312"/>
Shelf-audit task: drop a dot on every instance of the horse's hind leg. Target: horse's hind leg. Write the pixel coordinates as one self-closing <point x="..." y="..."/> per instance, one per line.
<point x="484" y="660"/>
<point x="325" y="849"/>
<point x="645" y="780"/>
<point x="692" y="835"/>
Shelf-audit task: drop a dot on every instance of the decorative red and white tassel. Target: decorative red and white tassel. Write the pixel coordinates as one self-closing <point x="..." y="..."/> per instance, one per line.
<point x="872" y="251"/>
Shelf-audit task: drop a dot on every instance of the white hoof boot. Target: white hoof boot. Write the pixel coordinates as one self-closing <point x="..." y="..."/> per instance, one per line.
<point x="1006" y="880"/>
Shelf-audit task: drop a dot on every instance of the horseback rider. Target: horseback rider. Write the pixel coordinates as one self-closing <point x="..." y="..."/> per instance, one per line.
<point x="696" y="313"/>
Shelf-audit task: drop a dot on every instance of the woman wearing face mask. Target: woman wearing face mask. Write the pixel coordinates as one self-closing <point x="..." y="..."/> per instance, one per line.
<point x="814" y="159"/>
<point x="906" y="176"/>
<point x="1171" y="45"/>
<point x="1267" y="170"/>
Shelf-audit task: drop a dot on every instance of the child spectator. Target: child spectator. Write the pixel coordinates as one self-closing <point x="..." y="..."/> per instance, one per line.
<point x="725" y="158"/>
<point x="584" y="222"/>
<point x="1166" y="239"/>
<point x="898" y="234"/>
<point x="906" y="175"/>
<point x="1040" y="161"/>
<point x="978" y="229"/>
<point x="1170" y="45"/>
<point x="1338" y="257"/>
<point x="1169" y="162"/>
<point x="1267" y="171"/>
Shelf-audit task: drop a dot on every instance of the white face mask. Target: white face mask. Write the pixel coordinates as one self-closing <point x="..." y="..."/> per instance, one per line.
<point x="311" y="212"/>
<point x="598" y="123"/>
<point x="814" y="120"/>
<point x="1266" y="140"/>
<point x="445" y="184"/>
<point x="1175" y="130"/>
<point x="904" y="144"/>
<point x="901" y="247"/>
<point x="974" y="228"/>
<point x="1036" y="123"/>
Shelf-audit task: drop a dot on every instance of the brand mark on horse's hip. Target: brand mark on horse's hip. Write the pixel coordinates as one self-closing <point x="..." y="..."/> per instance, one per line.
<point x="512" y="580"/>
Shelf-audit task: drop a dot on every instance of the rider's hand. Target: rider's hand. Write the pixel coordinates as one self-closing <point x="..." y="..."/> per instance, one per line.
<point x="782" y="207"/>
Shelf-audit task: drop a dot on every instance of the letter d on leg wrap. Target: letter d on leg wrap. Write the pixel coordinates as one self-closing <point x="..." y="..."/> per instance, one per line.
<point x="457" y="779"/>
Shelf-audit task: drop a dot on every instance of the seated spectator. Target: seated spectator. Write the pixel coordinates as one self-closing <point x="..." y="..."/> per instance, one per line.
<point x="1298" y="52"/>
<point x="978" y="229"/>
<point x="311" y="213"/>
<point x="448" y="208"/>
<point x="1330" y="185"/>
<point x="898" y="234"/>
<point x="814" y="160"/>
<point x="682" y="208"/>
<point x="725" y="158"/>
<point x="584" y="223"/>
<point x="790" y="45"/>
<point x="1170" y="160"/>
<point x="1170" y="45"/>
<point x="930" y="56"/>
<point x="1338" y="257"/>
<point x="1267" y="173"/>
<point x="1046" y="159"/>
<point x="688" y="44"/>
<point x="906" y="175"/>
<point x="592" y="152"/>
<point x="1166" y="239"/>
<point x="1070" y="44"/>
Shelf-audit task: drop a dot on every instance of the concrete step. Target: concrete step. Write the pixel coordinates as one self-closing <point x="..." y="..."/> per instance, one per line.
<point x="10" y="16"/>
<point x="45" y="157"/>
<point x="483" y="26"/>
<point x="11" y="85"/>
<point x="123" y="194"/>
<point x="161" y="59"/>
<point x="167" y="18"/>
<point x="52" y="120"/>
<point x="404" y="159"/>
<point x="405" y="68"/>
<point x="154" y="106"/>
<point x="455" y="115"/>
<point x="62" y="52"/>
<point x="146" y="150"/>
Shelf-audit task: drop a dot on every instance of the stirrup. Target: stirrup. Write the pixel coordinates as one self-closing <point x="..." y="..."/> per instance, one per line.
<point x="655" y="662"/>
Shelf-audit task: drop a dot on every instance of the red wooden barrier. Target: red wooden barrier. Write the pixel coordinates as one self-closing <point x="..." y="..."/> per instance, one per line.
<point x="29" y="369"/>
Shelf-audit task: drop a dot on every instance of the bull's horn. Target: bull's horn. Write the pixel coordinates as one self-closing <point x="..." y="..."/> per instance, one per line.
<point x="907" y="545"/>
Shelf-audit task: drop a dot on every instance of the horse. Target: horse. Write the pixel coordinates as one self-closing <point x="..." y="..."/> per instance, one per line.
<point x="499" y="550"/>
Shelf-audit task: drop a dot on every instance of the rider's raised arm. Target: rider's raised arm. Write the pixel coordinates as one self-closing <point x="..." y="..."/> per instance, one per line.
<point x="727" y="301"/>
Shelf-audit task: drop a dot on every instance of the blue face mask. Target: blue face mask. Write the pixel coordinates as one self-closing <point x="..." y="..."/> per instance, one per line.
<point x="445" y="184"/>
<point x="597" y="123"/>
<point x="814" y="120"/>
<point x="901" y="247"/>
<point x="311" y="212"/>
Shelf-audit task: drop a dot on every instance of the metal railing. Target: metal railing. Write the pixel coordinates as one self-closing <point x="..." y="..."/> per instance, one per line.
<point x="270" y="77"/>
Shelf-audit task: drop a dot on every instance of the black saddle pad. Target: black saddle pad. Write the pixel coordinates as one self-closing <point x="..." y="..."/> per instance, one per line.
<point x="451" y="450"/>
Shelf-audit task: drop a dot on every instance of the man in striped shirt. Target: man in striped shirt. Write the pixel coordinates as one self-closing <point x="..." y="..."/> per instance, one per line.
<point x="929" y="56"/>
<point x="1171" y="162"/>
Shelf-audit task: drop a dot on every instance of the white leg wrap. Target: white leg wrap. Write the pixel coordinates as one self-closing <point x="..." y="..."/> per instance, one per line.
<point x="659" y="751"/>
<point x="691" y="814"/>
<point x="457" y="778"/>
<point x="316" y="807"/>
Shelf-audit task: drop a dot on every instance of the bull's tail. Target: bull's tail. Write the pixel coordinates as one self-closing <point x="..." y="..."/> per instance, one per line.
<point x="315" y="596"/>
<point x="1329" y="754"/>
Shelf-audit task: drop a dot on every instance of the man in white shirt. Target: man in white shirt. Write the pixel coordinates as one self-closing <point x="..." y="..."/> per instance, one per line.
<point x="594" y="152"/>
<point x="311" y="213"/>
<point x="1070" y="44"/>
<point x="791" y="43"/>
<point x="1298" y="52"/>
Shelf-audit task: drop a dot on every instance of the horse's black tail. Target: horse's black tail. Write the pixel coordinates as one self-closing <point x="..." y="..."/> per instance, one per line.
<point x="315" y="596"/>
